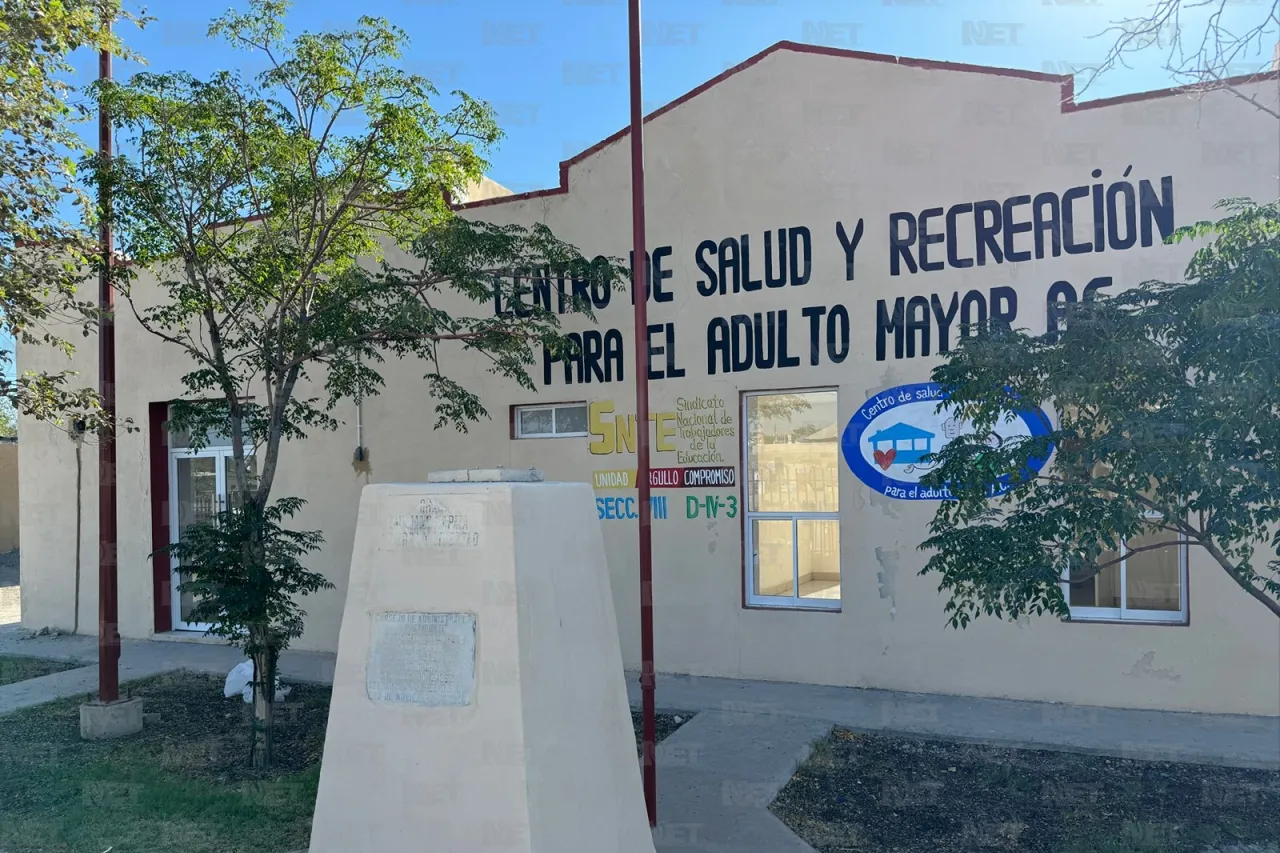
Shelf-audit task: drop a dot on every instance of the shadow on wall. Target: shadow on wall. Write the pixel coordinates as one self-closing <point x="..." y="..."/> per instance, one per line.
<point x="8" y="494"/>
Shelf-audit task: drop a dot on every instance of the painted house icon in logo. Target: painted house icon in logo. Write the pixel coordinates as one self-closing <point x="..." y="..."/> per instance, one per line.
<point x="908" y="444"/>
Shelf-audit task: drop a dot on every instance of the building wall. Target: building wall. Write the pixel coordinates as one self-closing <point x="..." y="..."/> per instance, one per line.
<point x="8" y="496"/>
<point x="796" y="139"/>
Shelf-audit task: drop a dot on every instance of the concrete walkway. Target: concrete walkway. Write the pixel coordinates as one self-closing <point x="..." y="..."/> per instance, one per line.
<point x="138" y="659"/>
<point x="1233" y="740"/>
<point x="718" y="772"/>
<point x="717" y="775"/>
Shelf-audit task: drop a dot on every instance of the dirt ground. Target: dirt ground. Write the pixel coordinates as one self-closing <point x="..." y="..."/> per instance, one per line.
<point x="900" y="795"/>
<point x="664" y="725"/>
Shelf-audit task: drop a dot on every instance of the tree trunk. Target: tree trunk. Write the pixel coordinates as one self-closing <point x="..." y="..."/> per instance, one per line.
<point x="264" y="704"/>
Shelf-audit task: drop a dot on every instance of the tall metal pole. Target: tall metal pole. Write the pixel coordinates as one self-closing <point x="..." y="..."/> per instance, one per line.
<point x="640" y="297"/>
<point x="108" y="604"/>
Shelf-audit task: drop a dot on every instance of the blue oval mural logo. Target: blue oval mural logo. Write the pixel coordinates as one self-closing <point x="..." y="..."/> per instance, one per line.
<point x="889" y="439"/>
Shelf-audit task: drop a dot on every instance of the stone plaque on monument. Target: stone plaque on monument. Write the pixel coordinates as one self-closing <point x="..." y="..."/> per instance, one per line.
<point x="424" y="659"/>
<point x="479" y="656"/>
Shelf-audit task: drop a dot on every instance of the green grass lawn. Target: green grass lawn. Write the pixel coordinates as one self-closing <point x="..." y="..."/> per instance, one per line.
<point x="869" y="792"/>
<point x="181" y="786"/>
<point x="14" y="668"/>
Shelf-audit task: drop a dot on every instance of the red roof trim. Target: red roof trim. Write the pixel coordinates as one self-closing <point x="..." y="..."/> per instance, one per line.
<point x="1066" y="81"/>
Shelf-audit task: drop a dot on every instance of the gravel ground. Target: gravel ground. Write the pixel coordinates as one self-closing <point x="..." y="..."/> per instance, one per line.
<point x="664" y="726"/>
<point x="10" y="605"/>
<point x="863" y="792"/>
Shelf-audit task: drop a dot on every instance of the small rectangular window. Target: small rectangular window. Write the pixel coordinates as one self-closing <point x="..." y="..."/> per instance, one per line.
<point x="791" y="458"/>
<point x="560" y="420"/>
<point x="1145" y="581"/>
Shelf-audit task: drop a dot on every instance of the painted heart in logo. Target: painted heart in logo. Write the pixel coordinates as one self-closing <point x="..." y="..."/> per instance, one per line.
<point x="884" y="458"/>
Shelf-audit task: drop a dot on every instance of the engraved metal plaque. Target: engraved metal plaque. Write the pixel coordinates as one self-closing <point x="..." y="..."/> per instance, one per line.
<point x="426" y="659"/>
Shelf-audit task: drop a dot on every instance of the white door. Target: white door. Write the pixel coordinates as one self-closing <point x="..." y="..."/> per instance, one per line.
<point x="198" y="486"/>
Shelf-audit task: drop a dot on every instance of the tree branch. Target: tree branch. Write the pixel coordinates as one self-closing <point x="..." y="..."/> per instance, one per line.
<point x="1126" y="553"/>
<point x="1271" y="111"/>
<point x="1221" y="558"/>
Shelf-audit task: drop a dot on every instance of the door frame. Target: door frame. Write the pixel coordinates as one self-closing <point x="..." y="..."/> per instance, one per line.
<point x="223" y="458"/>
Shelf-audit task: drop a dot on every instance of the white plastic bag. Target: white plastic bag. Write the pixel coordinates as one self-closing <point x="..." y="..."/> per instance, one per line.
<point x="240" y="680"/>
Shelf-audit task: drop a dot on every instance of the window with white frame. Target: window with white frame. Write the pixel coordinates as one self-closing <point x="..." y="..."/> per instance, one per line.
<point x="560" y="420"/>
<point x="791" y="463"/>
<point x="1144" y="581"/>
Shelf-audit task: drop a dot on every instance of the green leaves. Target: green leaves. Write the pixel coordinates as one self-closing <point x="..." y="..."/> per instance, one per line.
<point x="246" y="573"/>
<point x="298" y="229"/>
<point x="8" y="419"/>
<point x="1167" y="398"/>
<point x="43" y="256"/>
<point x="268" y="208"/>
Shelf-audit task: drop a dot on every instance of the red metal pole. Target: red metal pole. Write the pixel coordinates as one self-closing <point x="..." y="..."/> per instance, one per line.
<point x="640" y="296"/>
<point x="108" y="604"/>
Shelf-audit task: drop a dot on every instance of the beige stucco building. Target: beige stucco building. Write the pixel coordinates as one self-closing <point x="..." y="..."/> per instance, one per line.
<point x="8" y="495"/>
<point x="821" y="222"/>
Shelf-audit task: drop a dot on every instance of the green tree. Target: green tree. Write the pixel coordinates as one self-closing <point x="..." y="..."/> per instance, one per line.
<point x="1167" y="398"/>
<point x="8" y="419"/>
<point x="251" y="201"/>
<point x="42" y="255"/>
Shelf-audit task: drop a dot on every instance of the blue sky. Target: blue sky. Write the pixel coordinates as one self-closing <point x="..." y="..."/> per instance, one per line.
<point x="555" y="70"/>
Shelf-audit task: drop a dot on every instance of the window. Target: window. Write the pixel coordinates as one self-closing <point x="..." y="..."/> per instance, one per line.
<point x="792" y="460"/>
<point x="558" y="421"/>
<point x="1146" y="581"/>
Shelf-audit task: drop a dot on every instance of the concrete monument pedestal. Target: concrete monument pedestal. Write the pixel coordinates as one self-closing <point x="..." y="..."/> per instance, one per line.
<point x="479" y="701"/>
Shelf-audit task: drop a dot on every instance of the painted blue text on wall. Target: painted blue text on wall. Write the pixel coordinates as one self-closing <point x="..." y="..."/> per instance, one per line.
<point x="614" y="509"/>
